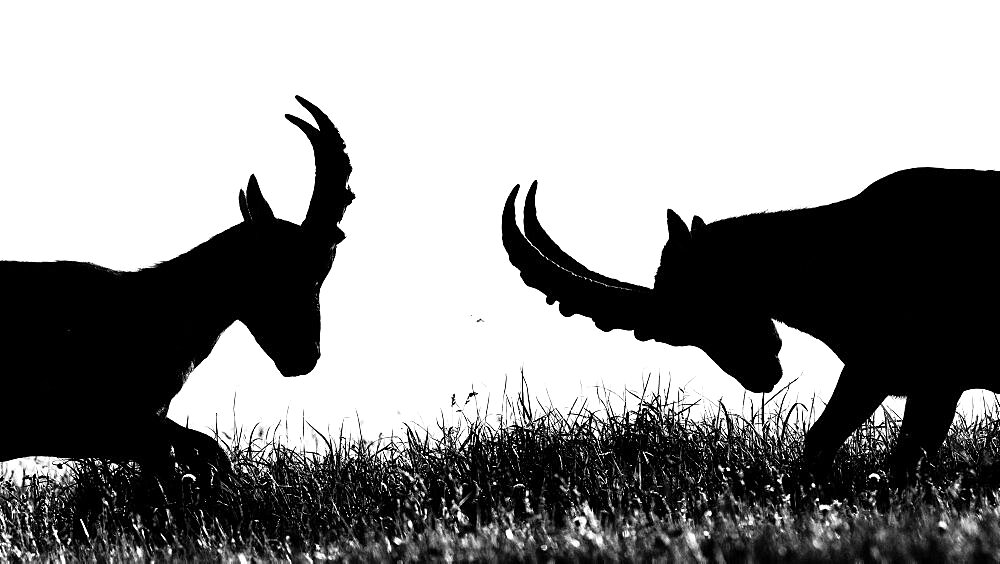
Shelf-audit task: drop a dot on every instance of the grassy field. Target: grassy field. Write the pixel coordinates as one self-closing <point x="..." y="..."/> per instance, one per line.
<point x="651" y="480"/>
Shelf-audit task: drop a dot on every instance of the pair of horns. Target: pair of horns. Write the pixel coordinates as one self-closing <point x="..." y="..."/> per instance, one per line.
<point x="331" y="193"/>
<point x="610" y="303"/>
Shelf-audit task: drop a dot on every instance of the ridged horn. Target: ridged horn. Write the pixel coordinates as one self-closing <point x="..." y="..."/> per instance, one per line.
<point x="331" y="194"/>
<point x="610" y="303"/>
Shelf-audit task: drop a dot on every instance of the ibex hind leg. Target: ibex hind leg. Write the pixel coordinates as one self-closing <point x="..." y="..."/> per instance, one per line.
<point x="926" y="421"/>
<point x="853" y="401"/>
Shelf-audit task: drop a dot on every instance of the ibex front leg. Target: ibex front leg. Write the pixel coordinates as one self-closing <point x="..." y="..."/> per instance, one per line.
<point x="853" y="401"/>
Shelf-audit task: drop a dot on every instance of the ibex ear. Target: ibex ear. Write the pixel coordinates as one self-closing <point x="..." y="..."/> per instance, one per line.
<point x="243" y="206"/>
<point x="677" y="231"/>
<point x="253" y="206"/>
<point x="698" y="227"/>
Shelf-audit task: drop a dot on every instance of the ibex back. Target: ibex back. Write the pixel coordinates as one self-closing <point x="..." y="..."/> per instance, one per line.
<point x="897" y="281"/>
<point x="92" y="356"/>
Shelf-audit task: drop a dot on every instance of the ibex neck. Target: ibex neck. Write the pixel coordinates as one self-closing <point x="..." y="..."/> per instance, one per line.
<point x="782" y="261"/>
<point x="195" y="290"/>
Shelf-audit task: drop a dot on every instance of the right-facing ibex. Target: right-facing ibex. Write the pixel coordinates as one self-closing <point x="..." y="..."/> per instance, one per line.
<point x="899" y="281"/>
<point x="92" y="357"/>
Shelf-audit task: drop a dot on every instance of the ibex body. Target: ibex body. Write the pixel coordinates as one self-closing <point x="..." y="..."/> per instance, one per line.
<point x="92" y="356"/>
<point x="898" y="281"/>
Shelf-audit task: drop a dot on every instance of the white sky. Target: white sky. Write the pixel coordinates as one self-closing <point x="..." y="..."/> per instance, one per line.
<point x="127" y="132"/>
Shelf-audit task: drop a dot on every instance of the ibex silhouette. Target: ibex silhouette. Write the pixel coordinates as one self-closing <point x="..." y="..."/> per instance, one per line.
<point x="897" y="281"/>
<point x="92" y="356"/>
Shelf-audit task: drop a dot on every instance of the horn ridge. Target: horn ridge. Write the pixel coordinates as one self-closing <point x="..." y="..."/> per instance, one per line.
<point x="331" y="193"/>
<point x="609" y="306"/>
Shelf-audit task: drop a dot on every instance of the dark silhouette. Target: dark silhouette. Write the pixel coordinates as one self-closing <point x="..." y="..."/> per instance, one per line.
<point x="898" y="281"/>
<point x="92" y="356"/>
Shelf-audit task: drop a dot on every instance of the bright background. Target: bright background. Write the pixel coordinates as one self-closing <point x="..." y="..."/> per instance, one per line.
<point x="126" y="133"/>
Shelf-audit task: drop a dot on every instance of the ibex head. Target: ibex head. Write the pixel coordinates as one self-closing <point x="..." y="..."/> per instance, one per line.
<point x="285" y="264"/>
<point x="690" y="304"/>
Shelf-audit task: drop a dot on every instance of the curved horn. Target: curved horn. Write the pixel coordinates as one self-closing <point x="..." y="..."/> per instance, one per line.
<point x="331" y="194"/>
<point x="534" y="232"/>
<point x="544" y="266"/>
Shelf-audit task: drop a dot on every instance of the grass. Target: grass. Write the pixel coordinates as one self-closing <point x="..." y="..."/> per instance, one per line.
<point x="653" y="479"/>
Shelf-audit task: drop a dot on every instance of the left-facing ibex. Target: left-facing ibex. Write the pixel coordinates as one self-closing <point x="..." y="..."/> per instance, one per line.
<point x="92" y="357"/>
<point x="899" y="281"/>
